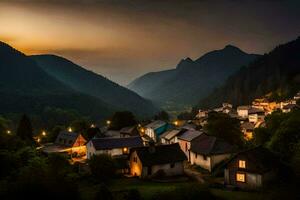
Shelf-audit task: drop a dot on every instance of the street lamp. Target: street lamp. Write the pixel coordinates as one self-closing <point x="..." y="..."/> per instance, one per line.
<point x="70" y="129"/>
<point x="8" y="132"/>
<point x="44" y="133"/>
<point x="108" y="122"/>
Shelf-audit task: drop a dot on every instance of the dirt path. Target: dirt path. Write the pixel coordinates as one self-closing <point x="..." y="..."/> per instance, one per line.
<point x="193" y="174"/>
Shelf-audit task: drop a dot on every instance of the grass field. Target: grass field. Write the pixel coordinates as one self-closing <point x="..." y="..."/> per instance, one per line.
<point x="148" y="188"/>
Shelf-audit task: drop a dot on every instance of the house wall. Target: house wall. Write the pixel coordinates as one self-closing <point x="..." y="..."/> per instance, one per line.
<point x="210" y="162"/>
<point x="136" y="168"/>
<point x="112" y="152"/>
<point x="176" y="170"/>
<point x="150" y="132"/>
<point x="252" y="180"/>
<point x="185" y="147"/>
<point x="242" y="113"/>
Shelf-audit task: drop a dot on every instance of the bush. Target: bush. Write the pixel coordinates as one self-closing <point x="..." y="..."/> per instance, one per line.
<point x="160" y="174"/>
<point x="103" y="193"/>
<point x="103" y="167"/>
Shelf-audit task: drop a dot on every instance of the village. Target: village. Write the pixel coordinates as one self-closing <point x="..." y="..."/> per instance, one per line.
<point x="174" y="151"/>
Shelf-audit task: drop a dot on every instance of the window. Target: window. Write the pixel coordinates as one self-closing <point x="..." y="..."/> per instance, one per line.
<point x="172" y="165"/>
<point x="186" y="147"/>
<point x="240" y="177"/>
<point x="135" y="159"/>
<point x="196" y="155"/>
<point x="242" y="164"/>
<point x="204" y="158"/>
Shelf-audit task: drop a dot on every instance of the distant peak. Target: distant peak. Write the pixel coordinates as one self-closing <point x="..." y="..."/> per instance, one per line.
<point x="185" y="62"/>
<point x="229" y="46"/>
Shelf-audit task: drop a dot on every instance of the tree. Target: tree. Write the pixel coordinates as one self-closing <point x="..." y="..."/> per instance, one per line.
<point x="163" y="115"/>
<point x="223" y="126"/>
<point x="261" y="136"/>
<point x="91" y="132"/>
<point x="103" y="167"/>
<point x="25" y="130"/>
<point x="121" y="120"/>
<point x="79" y="126"/>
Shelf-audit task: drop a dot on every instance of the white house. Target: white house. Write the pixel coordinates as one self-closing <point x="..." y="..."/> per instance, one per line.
<point x="255" y="115"/>
<point x="169" y="137"/>
<point x="208" y="151"/>
<point x="185" y="140"/>
<point x="155" y="129"/>
<point x="112" y="146"/>
<point x="243" y="111"/>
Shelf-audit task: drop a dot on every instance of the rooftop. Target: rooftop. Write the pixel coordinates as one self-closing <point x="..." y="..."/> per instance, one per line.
<point x="112" y="143"/>
<point x="210" y="145"/>
<point x="156" y="124"/>
<point x="162" y="154"/>
<point x="189" y="135"/>
<point x="170" y="134"/>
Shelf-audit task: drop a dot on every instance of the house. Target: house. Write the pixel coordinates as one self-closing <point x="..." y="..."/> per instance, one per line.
<point x="112" y="146"/>
<point x="247" y="129"/>
<point x="155" y="129"/>
<point x="185" y="140"/>
<point x="242" y="111"/>
<point x="169" y="137"/>
<point x="297" y="96"/>
<point x="255" y="115"/>
<point x="202" y="114"/>
<point x="146" y="162"/>
<point x="129" y="131"/>
<point x="67" y="142"/>
<point x="251" y="169"/>
<point x="289" y="107"/>
<point x="208" y="151"/>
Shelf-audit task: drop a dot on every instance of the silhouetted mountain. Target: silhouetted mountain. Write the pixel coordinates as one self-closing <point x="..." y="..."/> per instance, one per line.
<point x="276" y="73"/>
<point x="26" y="88"/>
<point x="92" y="84"/>
<point x="191" y="80"/>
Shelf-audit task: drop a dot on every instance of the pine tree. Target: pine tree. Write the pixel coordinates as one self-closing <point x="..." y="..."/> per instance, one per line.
<point x="25" y="130"/>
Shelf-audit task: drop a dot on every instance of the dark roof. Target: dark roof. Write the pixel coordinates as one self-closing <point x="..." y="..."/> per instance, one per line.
<point x="112" y="143"/>
<point x="69" y="136"/>
<point x="290" y="106"/>
<point x="162" y="154"/>
<point x="248" y="126"/>
<point x="130" y="130"/>
<point x="262" y="159"/>
<point x="189" y="135"/>
<point x="156" y="124"/>
<point x="210" y="145"/>
<point x="253" y="110"/>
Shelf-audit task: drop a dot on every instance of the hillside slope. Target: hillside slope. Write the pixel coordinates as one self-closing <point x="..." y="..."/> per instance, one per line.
<point x="26" y="88"/>
<point x="92" y="84"/>
<point x="192" y="80"/>
<point x="277" y="72"/>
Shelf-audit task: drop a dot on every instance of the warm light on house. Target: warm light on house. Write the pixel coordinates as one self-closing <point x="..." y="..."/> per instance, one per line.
<point x="176" y="123"/>
<point x="92" y="125"/>
<point x="240" y="177"/>
<point x="125" y="150"/>
<point x="38" y="140"/>
<point x="44" y="133"/>
<point x="242" y="164"/>
<point x="248" y="135"/>
<point x="142" y="130"/>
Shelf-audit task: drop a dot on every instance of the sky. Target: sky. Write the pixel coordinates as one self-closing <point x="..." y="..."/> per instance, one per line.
<point x="123" y="39"/>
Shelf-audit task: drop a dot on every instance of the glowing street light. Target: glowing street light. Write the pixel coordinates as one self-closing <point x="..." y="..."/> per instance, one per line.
<point x="176" y="123"/>
<point x="70" y="129"/>
<point x="108" y="122"/>
<point x="8" y="132"/>
<point x="92" y="125"/>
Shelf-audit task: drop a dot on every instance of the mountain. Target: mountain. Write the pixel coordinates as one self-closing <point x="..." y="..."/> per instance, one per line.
<point x="191" y="80"/>
<point x="26" y="88"/>
<point x="90" y="83"/>
<point x="276" y="74"/>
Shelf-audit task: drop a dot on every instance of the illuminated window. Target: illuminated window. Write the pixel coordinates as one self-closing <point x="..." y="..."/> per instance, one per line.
<point x="242" y="164"/>
<point x="240" y="177"/>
